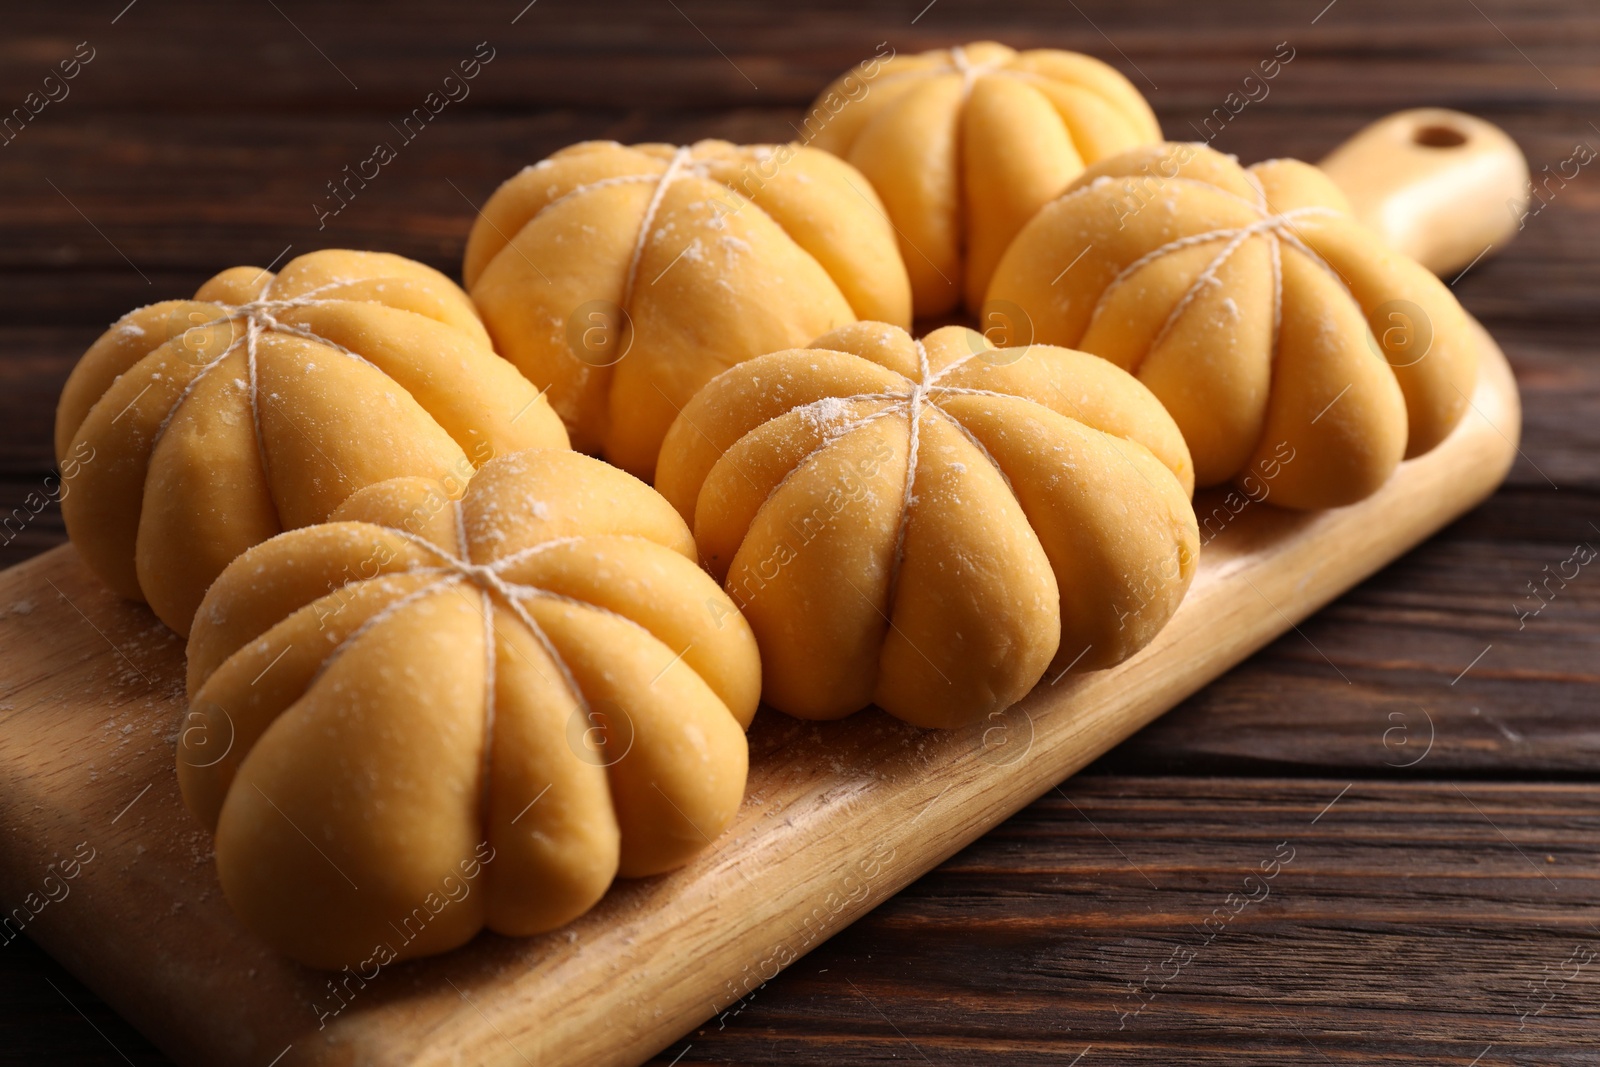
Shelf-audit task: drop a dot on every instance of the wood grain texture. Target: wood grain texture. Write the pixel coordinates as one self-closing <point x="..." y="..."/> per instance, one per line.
<point x="837" y="817"/>
<point x="1396" y="934"/>
<point x="201" y="136"/>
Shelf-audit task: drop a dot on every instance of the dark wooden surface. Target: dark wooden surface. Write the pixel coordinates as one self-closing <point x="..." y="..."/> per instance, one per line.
<point x="1443" y="910"/>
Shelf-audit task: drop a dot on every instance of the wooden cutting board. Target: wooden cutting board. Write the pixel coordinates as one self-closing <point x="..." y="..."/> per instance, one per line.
<point x="838" y="816"/>
<point x="104" y="867"/>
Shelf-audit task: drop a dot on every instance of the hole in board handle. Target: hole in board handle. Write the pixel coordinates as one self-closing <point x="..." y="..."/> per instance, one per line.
<point x="1439" y="137"/>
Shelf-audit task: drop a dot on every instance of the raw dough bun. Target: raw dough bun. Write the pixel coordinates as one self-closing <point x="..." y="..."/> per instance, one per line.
<point x="1252" y="304"/>
<point x="1041" y="521"/>
<point x="965" y="144"/>
<point x="194" y="429"/>
<point x="429" y="716"/>
<point x="623" y="279"/>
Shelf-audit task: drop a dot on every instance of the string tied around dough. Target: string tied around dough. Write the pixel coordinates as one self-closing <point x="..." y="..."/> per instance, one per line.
<point x="493" y="588"/>
<point x="259" y="315"/>
<point x="1279" y="227"/>
<point x="262" y="314"/>
<point x="680" y="159"/>
<point x="970" y="72"/>
<point x="487" y="578"/>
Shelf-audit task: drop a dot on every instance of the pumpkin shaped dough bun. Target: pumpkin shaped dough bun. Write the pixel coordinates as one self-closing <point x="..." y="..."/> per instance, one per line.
<point x="965" y="144"/>
<point x="623" y="279"/>
<point x="197" y="428"/>
<point x="932" y="525"/>
<point x="1283" y="335"/>
<point x="478" y="711"/>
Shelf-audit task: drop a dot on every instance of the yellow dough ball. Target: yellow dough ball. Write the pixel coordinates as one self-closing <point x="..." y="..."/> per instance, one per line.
<point x="931" y="525"/>
<point x="623" y="279"/>
<point x="965" y="144"/>
<point x="194" y="429"/>
<point x="430" y="716"/>
<point x="1290" y="344"/>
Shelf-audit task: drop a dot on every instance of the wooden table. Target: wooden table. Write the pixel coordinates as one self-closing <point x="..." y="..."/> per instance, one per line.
<point x="1419" y="759"/>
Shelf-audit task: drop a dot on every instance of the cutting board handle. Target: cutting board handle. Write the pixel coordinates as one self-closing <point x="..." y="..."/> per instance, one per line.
<point x="1439" y="185"/>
